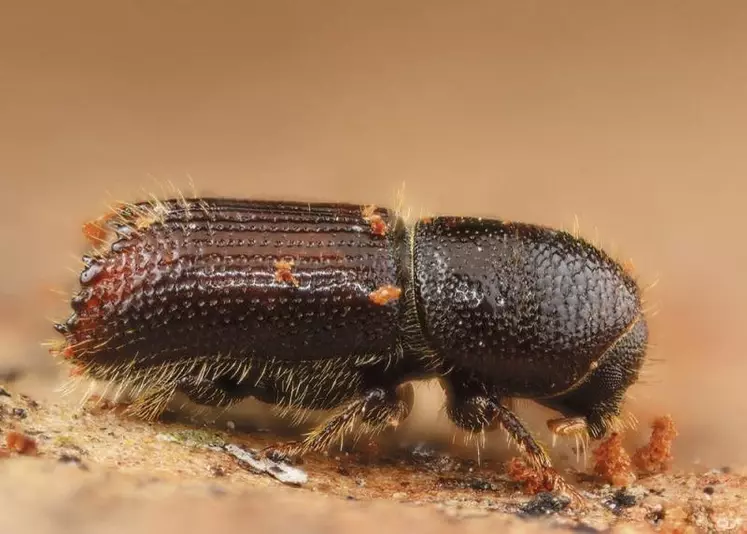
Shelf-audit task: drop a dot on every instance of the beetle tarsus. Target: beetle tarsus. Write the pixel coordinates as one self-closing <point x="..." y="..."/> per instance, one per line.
<point x="287" y="452"/>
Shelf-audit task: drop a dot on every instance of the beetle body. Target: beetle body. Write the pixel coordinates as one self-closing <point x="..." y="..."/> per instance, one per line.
<point x="323" y="306"/>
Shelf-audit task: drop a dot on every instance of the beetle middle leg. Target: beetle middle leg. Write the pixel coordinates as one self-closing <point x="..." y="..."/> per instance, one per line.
<point x="374" y="411"/>
<point x="473" y="408"/>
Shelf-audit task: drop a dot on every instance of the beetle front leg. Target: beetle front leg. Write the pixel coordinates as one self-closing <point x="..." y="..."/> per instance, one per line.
<point x="568" y="426"/>
<point x="486" y="413"/>
<point x="474" y="409"/>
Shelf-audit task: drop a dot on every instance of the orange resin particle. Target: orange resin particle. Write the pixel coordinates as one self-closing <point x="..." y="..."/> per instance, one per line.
<point x="284" y="272"/>
<point x="20" y="443"/>
<point x="385" y="294"/>
<point x="656" y="456"/>
<point x="532" y="481"/>
<point x="613" y="462"/>
<point x="378" y="226"/>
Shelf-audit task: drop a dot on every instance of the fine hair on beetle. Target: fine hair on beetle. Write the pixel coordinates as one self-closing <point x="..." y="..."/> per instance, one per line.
<point x="340" y="307"/>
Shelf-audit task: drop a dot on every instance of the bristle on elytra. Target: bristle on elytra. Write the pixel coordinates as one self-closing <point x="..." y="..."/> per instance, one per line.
<point x="399" y="205"/>
<point x="55" y="347"/>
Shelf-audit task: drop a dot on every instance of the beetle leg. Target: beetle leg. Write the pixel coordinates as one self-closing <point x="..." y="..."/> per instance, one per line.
<point x="481" y="411"/>
<point x="578" y="427"/>
<point x="375" y="411"/>
<point x="534" y="451"/>
<point x="474" y="413"/>
<point x="568" y="426"/>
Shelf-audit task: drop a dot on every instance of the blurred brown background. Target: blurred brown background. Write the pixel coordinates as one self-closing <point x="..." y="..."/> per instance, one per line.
<point x="629" y="115"/>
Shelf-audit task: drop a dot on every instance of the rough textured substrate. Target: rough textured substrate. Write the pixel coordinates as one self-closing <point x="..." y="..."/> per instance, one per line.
<point x="98" y="471"/>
